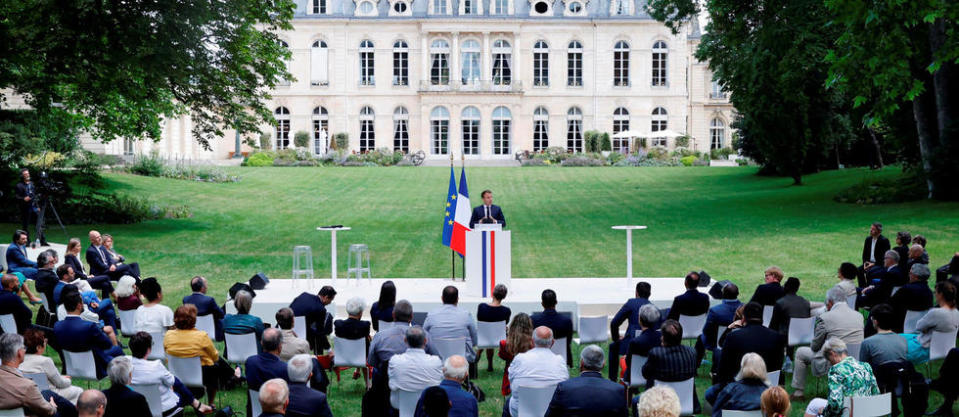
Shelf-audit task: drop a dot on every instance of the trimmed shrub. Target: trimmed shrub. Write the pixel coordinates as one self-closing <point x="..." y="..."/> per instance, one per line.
<point x="342" y="141"/>
<point x="301" y="139"/>
<point x="606" y="144"/>
<point x="260" y="159"/>
<point x="150" y="165"/>
<point x="687" y="160"/>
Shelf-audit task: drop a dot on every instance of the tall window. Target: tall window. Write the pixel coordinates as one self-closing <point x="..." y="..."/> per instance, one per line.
<point x="366" y="63"/>
<point x="574" y="130"/>
<point x="321" y="130"/>
<point x="439" y="6"/>
<point x="401" y="63"/>
<point x="658" y="124"/>
<point x="470" y="62"/>
<point x="469" y="6"/>
<point x="717" y="134"/>
<point x="282" y="128"/>
<point x="440" y="62"/>
<point x="439" y="130"/>
<point x="367" y="133"/>
<point x="716" y="90"/>
<point x="470" y="130"/>
<point x="501" y="131"/>
<point x="574" y="64"/>
<point x="540" y="129"/>
<point x="319" y="64"/>
<point x="128" y="146"/>
<point x="621" y="64"/>
<point x="620" y="124"/>
<point x="286" y="66"/>
<point x="502" y="60"/>
<point x="660" y="53"/>
<point x="401" y="130"/>
<point x="500" y="6"/>
<point x="541" y="63"/>
<point x="318" y="6"/>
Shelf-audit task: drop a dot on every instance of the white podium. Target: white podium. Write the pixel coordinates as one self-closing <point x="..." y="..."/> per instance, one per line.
<point x="488" y="259"/>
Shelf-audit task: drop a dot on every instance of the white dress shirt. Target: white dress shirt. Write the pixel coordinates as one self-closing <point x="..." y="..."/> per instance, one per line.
<point x="147" y="372"/>
<point x="537" y="367"/>
<point x="414" y="370"/>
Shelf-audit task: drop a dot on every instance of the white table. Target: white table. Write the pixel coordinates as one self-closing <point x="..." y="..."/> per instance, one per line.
<point x="629" y="250"/>
<point x="333" y="231"/>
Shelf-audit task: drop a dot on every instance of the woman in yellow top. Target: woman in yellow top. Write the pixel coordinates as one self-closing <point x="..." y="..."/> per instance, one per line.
<point x="185" y="341"/>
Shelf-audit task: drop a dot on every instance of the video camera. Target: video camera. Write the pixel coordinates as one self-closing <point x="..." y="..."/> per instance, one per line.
<point x="47" y="186"/>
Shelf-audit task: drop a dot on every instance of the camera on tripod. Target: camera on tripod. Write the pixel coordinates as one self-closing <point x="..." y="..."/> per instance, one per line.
<point x="47" y="186"/>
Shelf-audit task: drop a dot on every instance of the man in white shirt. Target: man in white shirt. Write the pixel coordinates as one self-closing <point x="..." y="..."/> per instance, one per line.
<point x="537" y="367"/>
<point x="452" y="322"/>
<point x="414" y="370"/>
<point x="173" y="394"/>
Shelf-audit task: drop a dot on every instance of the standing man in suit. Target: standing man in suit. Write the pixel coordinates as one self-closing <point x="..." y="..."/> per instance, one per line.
<point x="561" y="325"/>
<point x="589" y="394"/>
<point x="772" y="290"/>
<point x="690" y="303"/>
<point x="628" y="312"/>
<point x="205" y="304"/>
<point x="313" y="307"/>
<point x="101" y="263"/>
<point x="839" y="321"/>
<point x="872" y="251"/>
<point x="487" y="213"/>
<point x="26" y="193"/>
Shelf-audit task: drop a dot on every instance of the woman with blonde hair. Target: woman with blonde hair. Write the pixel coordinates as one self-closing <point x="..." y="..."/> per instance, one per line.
<point x="72" y="258"/>
<point x="519" y="339"/>
<point x="743" y="393"/>
<point x="775" y="402"/>
<point x="658" y="401"/>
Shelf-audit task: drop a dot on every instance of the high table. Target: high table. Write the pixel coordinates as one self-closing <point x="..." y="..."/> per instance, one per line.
<point x="333" y="231"/>
<point x="629" y="250"/>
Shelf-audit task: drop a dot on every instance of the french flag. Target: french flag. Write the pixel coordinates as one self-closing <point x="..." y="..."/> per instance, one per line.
<point x="461" y="220"/>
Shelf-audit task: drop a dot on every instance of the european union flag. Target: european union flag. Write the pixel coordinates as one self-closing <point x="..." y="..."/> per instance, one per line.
<point x="450" y="210"/>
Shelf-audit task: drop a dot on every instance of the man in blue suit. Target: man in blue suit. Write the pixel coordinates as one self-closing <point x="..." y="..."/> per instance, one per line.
<point x="102" y="264"/>
<point x="487" y="213"/>
<point x="313" y="307"/>
<point x="630" y="312"/>
<point x="11" y="303"/>
<point x="77" y="335"/>
<point x="205" y="304"/>
<point x="589" y="395"/>
<point x="304" y="401"/>
<point x="719" y="315"/>
<point x="462" y="403"/>
<point x="267" y="364"/>
<point x="561" y="325"/>
<point x="690" y="303"/>
<point x="17" y="260"/>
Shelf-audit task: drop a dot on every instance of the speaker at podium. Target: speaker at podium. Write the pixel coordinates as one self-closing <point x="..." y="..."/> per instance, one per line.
<point x="488" y="259"/>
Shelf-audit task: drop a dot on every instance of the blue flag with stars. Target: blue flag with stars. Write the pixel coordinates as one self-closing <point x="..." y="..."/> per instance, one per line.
<point x="450" y="210"/>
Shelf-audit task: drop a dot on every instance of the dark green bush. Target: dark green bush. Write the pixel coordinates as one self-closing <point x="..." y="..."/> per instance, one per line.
<point x="301" y="139"/>
<point x="909" y="187"/>
<point x="151" y="165"/>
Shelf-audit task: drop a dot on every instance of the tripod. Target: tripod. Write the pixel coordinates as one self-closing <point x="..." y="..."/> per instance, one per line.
<point x="47" y="202"/>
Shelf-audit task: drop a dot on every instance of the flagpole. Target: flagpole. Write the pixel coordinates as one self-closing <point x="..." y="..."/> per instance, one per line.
<point x="463" y="165"/>
<point x="452" y="252"/>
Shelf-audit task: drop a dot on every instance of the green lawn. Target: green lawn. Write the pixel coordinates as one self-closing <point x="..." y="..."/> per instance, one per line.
<point x="727" y="221"/>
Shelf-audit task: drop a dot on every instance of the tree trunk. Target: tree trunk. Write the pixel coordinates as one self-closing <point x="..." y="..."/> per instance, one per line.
<point x="943" y="168"/>
<point x="928" y="139"/>
<point x="877" y="155"/>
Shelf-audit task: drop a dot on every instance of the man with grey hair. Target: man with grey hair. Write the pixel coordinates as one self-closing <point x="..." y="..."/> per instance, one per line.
<point x="589" y="393"/>
<point x="392" y="341"/>
<point x="92" y="403"/>
<point x="648" y="338"/>
<point x="883" y="280"/>
<point x="46" y="279"/>
<point x="353" y="327"/>
<point x="413" y="370"/>
<point x="267" y="364"/>
<point x="913" y="296"/>
<point x="121" y="400"/>
<point x="839" y="321"/>
<point x="274" y="398"/>
<point x="536" y="367"/>
<point x="16" y="390"/>
<point x="462" y="403"/>
<point x="304" y="401"/>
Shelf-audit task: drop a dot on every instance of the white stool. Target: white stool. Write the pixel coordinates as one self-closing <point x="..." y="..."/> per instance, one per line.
<point x="359" y="252"/>
<point x="303" y="264"/>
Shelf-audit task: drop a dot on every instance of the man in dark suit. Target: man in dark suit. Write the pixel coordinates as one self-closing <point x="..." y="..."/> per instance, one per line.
<point x="589" y="395"/>
<point x="751" y="337"/>
<point x="304" y="401"/>
<point x="690" y="303"/>
<point x="121" y="400"/>
<point x="16" y="256"/>
<point x="672" y="362"/>
<point x="11" y="303"/>
<point x="266" y="365"/>
<point x="101" y="263"/>
<point x="99" y="282"/>
<point x="561" y="325"/>
<point x="649" y="337"/>
<point x="205" y="304"/>
<point x="882" y="280"/>
<point x="628" y="312"/>
<point x="46" y="278"/>
<point x="772" y="290"/>
<point x="487" y="213"/>
<point x="914" y="296"/>
<point x="719" y="315"/>
<point x="872" y="251"/>
<point x="313" y="307"/>
<point x="77" y="335"/>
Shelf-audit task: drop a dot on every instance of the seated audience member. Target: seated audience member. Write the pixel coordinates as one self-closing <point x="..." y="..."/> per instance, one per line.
<point x="493" y="312"/>
<point x="186" y="341"/>
<point x="914" y="296"/>
<point x="46" y="277"/>
<point x="561" y="325"/>
<point x="436" y="402"/>
<point x="304" y="401"/>
<point x="775" y="402"/>
<point x="947" y="383"/>
<point x="847" y="378"/>
<point x="943" y="319"/>
<point x="536" y="367"/>
<point x="18" y="391"/>
<point x="790" y="306"/>
<point x="101" y="263"/>
<point x="392" y="341"/>
<point x="382" y="308"/>
<point x="11" y="303"/>
<point x="274" y="398"/>
<point x="903" y="239"/>
<point x="153" y="317"/>
<point x="462" y="403"/>
<point x="885" y="345"/>
<point x="313" y="307"/>
<point x="840" y="321"/>
<point x="243" y="322"/>
<point x="917" y="252"/>
<point x="267" y="364"/>
<point x="872" y="251"/>
<point x="100" y="282"/>
<point x="628" y="313"/>
<point x="721" y="314"/>
<point x="452" y="322"/>
<point x="648" y="338"/>
<point x="91" y="403"/>
<point x="847" y="284"/>
<point x="672" y="362"/>
<point x="17" y="260"/>
<point x="292" y="344"/>
<point x="117" y="259"/>
<point x="102" y="309"/>
<point x="121" y="400"/>
<point x="751" y="337"/>
<point x="772" y="290"/>
<point x="659" y="401"/>
<point x="35" y="362"/>
<point x="205" y="305"/>
<point x="173" y="394"/>
<point x="589" y="393"/>
<point x="690" y="303"/>
<point x="882" y="281"/>
<point x="519" y="339"/>
<point x="413" y="370"/>
<point x="744" y="393"/>
<point x="127" y="293"/>
<point x="75" y="334"/>
<point x="353" y="327"/>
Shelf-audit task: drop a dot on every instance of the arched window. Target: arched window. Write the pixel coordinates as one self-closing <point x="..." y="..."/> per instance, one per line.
<point x="660" y="53"/>
<point x="470" y="123"/>
<point x="401" y="130"/>
<point x="439" y="130"/>
<point x="321" y="130"/>
<point x="540" y="129"/>
<point x="621" y="64"/>
<point x="282" y="129"/>
<point x="366" y="63"/>
<point x="574" y="130"/>
<point x="319" y="63"/>
<point x="367" y="132"/>
<point x="501" y="131"/>
<point x="620" y="124"/>
<point x="286" y="65"/>
<point x="401" y="63"/>
<point x="502" y="62"/>
<point x="470" y="62"/>
<point x="440" y="62"/>
<point x="541" y="64"/>
<point x="717" y="134"/>
<point x="658" y="124"/>
<point x="574" y="64"/>
<point x="318" y="6"/>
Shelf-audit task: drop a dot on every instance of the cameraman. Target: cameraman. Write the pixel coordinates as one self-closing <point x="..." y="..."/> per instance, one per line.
<point x="26" y="197"/>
